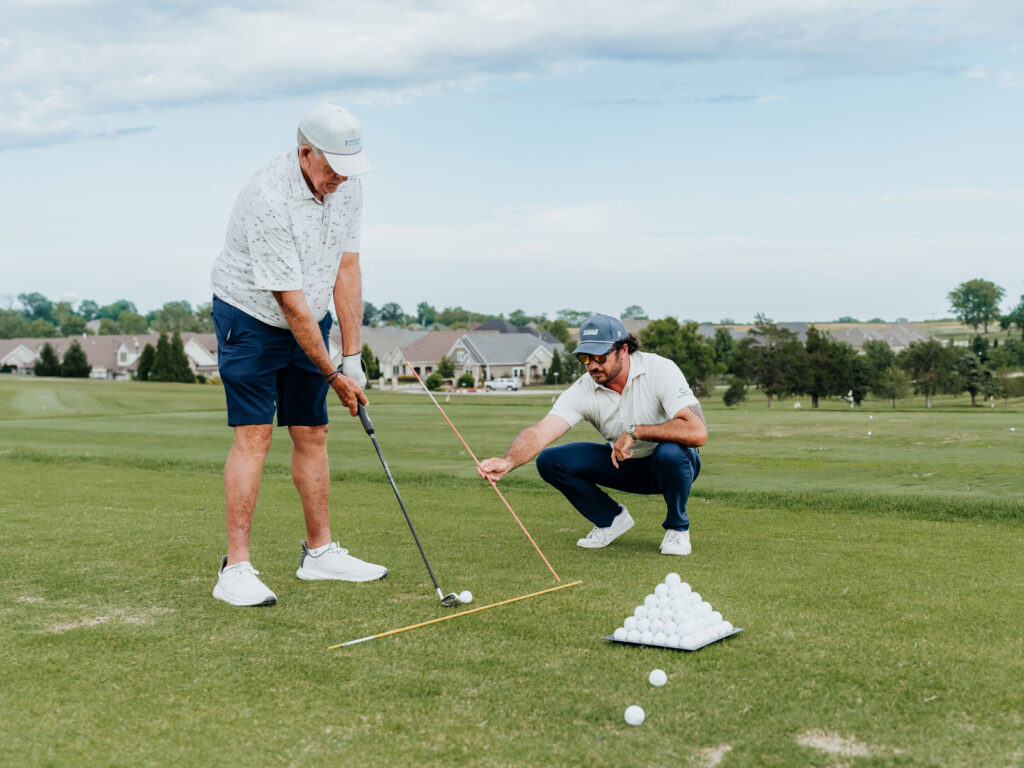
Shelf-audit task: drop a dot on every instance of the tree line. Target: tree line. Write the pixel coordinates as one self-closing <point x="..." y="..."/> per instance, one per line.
<point x="166" y="361"/>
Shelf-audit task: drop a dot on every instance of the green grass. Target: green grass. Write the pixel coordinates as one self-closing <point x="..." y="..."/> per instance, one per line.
<point x="877" y="579"/>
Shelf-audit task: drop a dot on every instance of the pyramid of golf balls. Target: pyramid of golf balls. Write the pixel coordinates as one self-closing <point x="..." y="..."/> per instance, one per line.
<point x="674" y="616"/>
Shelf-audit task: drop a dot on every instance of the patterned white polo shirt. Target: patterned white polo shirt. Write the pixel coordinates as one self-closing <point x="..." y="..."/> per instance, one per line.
<point x="656" y="390"/>
<point x="281" y="238"/>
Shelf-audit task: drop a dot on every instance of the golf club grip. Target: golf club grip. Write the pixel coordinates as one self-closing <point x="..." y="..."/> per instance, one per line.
<point x="365" y="418"/>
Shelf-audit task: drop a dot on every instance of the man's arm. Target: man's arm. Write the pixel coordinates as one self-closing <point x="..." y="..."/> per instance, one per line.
<point x="687" y="428"/>
<point x="307" y="333"/>
<point x="528" y="444"/>
<point x="348" y="302"/>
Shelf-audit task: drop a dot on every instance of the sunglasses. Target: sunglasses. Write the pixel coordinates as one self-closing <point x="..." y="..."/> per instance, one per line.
<point x="584" y="358"/>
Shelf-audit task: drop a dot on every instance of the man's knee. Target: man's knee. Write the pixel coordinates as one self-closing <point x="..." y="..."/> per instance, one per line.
<point x="253" y="439"/>
<point x="546" y="464"/>
<point x="672" y="457"/>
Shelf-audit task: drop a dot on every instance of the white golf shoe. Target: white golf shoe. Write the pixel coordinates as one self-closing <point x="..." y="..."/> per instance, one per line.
<point x="335" y="563"/>
<point x="602" y="537"/>
<point x="239" y="584"/>
<point x="676" y="543"/>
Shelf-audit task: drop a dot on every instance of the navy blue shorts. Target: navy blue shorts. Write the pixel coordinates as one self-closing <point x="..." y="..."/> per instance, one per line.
<point x="265" y="370"/>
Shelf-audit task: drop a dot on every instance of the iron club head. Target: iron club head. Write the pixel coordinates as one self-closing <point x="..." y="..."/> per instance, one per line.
<point x="449" y="600"/>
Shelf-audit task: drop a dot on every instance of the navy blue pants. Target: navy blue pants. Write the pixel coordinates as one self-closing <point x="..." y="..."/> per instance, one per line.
<point x="577" y="469"/>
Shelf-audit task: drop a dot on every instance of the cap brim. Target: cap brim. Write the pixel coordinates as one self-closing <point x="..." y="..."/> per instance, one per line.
<point x="594" y="347"/>
<point x="348" y="165"/>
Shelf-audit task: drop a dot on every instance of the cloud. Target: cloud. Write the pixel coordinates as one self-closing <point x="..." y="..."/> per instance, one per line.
<point x="65" y="64"/>
<point x="956" y="194"/>
<point x="733" y="98"/>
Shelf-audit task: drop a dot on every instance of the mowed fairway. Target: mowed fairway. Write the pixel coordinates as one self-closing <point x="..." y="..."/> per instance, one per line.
<point x="879" y="580"/>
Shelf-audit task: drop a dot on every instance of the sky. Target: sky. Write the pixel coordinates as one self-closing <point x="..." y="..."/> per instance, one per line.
<point x="801" y="159"/>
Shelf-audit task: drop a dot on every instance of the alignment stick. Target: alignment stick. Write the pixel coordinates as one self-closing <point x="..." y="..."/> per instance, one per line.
<point x="453" y="616"/>
<point x="493" y="484"/>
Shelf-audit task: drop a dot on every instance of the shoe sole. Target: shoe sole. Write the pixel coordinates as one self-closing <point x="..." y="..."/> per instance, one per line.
<point x="307" y="575"/>
<point x="219" y="595"/>
<point x="677" y="553"/>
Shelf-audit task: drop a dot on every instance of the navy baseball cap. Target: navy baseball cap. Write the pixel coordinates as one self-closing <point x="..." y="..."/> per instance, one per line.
<point x="599" y="333"/>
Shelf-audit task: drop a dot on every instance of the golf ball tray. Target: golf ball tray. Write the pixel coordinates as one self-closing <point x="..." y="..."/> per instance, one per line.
<point x="673" y="617"/>
<point x="680" y="647"/>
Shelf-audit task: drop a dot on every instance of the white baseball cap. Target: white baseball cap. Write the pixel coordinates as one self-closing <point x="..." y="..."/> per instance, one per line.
<point x="338" y="134"/>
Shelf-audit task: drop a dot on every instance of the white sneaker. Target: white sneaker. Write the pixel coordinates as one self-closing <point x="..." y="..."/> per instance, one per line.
<point x="602" y="537"/>
<point x="676" y="543"/>
<point x="239" y="584"/>
<point x="337" y="564"/>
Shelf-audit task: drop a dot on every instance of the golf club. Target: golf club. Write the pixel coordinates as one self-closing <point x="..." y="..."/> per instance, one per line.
<point x="477" y="461"/>
<point x="446" y="600"/>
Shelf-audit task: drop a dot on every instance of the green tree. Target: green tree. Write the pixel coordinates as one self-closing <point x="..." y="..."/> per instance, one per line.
<point x="976" y="302"/>
<point x="932" y="368"/>
<point x="555" y="374"/>
<point x="172" y="316"/>
<point x="370" y="314"/>
<point x="163" y="365"/>
<point x="391" y="313"/>
<point x="88" y="309"/>
<point x="425" y="314"/>
<point x="975" y="377"/>
<point x="371" y="363"/>
<point x="559" y="329"/>
<point x="108" y="327"/>
<point x="466" y="381"/>
<point x="48" y="364"/>
<point x="828" y="366"/>
<point x="634" y="312"/>
<point x="60" y="313"/>
<point x="111" y="311"/>
<point x="146" y="362"/>
<point x="72" y="325"/>
<point x="40" y="328"/>
<point x="519" y="318"/>
<point x="573" y="317"/>
<point x="879" y="356"/>
<point x="736" y="392"/>
<point x="36" y="307"/>
<point x="893" y="383"/>
<point x="1014" y="317"/>
<point x="13" y="325"/>
<point x="202" y="318"/>
<point x="130" y="322"/>
<point x="75" y="364"/>
<point x="685" y="347"/>
<point x="773" y="359"/>
<point x="179" y="361"/>
<point x="446" y="367"/>
<point x="434" y="381"/>
<point x="725" y="348"/>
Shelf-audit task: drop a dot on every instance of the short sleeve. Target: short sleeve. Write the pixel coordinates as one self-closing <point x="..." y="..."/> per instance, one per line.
<point x="672" y="389"/>
<point x="275" y="260"/>
<point x="568" y="406"/>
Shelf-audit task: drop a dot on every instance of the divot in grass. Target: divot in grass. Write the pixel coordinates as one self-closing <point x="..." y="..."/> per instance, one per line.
<point x="709" y="757"/>
<point x="835" y="744"/>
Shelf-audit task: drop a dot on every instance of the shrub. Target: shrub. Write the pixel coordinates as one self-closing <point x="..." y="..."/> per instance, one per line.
<point x="434" y="381"/>
<point x="466" y="380"/>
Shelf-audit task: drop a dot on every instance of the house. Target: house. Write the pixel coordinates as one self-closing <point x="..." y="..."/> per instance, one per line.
<point x="484" y="355"/>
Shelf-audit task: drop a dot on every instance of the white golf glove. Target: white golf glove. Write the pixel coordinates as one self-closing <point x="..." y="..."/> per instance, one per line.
<point x="352" y="366"/>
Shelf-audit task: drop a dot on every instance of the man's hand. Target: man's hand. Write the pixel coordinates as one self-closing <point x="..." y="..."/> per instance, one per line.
<point x="349" y="392"/>
<point x="623" y="449"/>
<point x="352" y="366"/>
<point x="494" y="469"/>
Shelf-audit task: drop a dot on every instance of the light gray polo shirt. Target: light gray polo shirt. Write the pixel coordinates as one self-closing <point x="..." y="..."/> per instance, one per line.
<point x="281" y="238"/>
<point x="656" y="390"/>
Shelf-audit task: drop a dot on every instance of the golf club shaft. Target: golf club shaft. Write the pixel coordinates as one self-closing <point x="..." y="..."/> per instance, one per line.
<point x="477" y="461"/>
<point x="454" y="615"/>
<point x="364" y="417"/>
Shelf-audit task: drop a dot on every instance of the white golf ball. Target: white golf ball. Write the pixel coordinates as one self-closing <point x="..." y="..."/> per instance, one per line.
<point x="690" y="642"/>
<point x="634" y="715"/>
<point x="661" y="589"/>
<point x="654" y="614"/>
<point x="716" y="616"/>
<point x="673" y="579"/>
<point x="640" y="611"/>
<point x="633" y="635"/>
<point x="629" y="623"/>
<point x="869" y="433"/>
<point x="620" y="634"/>
<point x="727" y="627"/>
<point x="647" y="637"/>
<point x="657" y="678"/>
<point x="695" y="598"/>
<point x="671" y="627"/>
<point x="659" y="638"/>
<point x="465" y="597"/>
<point x="651" y="600"/>
<point x="643" y="624"/>
<point x="685" y="588"/>
<point x="657" y="626"/>
<point x="673" y="641"/>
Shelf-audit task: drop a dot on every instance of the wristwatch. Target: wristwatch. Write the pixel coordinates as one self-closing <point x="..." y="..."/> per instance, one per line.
<point x="631" y="431"/>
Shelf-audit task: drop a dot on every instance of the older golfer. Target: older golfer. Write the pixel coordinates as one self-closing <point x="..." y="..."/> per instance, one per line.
<point x="291" y="251"/>
<point x="653" y="425"/>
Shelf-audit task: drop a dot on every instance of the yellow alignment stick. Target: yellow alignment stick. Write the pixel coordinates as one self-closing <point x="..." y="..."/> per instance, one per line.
<point x="453" y="616"/>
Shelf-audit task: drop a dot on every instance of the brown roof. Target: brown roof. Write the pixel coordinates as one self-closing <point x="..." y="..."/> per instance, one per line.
<point x="431" y="347"/>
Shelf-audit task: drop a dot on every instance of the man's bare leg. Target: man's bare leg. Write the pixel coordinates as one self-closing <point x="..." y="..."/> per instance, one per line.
<point x="312" y="478"/>
<point x="242" y="475"/>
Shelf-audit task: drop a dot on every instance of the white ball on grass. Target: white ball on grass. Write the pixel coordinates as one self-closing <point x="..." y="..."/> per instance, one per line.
<point x="673" y="641"/>
<point x="716" y="616"/>
<point x="643" y="624"/>
<point x="659" y="638"/>
<point x="465" y="597"/>
<point x="634" y="715"/>
<point x="647" y="637"/>
<point x="651" y="600"/>
<point x="633" y="635"/>
<point x="657" y="678"/>
<point x="673" y="579"/>
<point x="661" y="589"/>
<point x="629" y="623"/>
<point x="640" y="611"/>
<point x="620" y="634"/>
